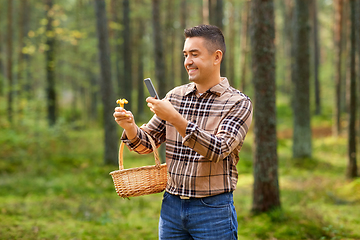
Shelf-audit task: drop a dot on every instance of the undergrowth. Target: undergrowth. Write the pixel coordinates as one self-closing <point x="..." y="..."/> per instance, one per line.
<point x="54" y="185"/>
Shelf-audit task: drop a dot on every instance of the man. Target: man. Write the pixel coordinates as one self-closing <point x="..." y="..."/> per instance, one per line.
<point x="204" y="124"/>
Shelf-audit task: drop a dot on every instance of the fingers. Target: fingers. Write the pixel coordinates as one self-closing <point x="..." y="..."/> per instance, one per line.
<point x="119" y="109"/>
<point x="121" y="114"/>
<point x="151" y="100"/>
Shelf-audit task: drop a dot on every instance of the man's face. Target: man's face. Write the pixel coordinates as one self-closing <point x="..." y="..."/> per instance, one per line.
<point x="198" y="61"/>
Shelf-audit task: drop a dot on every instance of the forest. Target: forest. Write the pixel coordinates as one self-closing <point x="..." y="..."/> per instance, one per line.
<point x="63" y="65"/>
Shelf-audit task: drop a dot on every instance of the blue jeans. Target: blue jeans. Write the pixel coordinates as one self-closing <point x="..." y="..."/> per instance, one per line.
<point x="198" y="218"/>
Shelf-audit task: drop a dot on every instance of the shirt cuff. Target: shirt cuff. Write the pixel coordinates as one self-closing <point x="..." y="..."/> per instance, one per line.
<point x="131" y="143"/>
<point x="190" y="137"/>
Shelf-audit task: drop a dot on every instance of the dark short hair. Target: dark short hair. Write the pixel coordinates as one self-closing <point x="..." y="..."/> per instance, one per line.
<point x="212" y="34"/>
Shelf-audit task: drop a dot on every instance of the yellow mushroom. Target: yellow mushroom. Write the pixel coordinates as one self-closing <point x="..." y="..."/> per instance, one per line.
<point x="121" y="102"/>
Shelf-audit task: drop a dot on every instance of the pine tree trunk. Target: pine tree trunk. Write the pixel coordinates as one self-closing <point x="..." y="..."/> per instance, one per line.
<point x="358" y="60"/>
<point x="205" y="11"/>
<point x="140" y="69"/>
<point x="50" y="65"/>
<point x="107" y="95"/>
<point x="127" y="82"/>
<point x="231" y="46"/>
<point x="352" y="165"/>
<point x="219" y="23"/>
<point x="266" y="193"/>
<point x="338" y="63"/>
<point x="27" y="58"/>
<point x="288" y="21"/>
<point x="183" y="8"/>
<point x="244" y="44"/>
<point x="118" y="51"/>
<point x="22" y="34"/>
<point x="9" y="61"/>
<point x="2" y="67"/>
<point x="158" y="49"/>
<point x="316" y="58"/>
<point x="300" y="76"/>
<point x="212" y="12"/>
<point x="169" y="44"/>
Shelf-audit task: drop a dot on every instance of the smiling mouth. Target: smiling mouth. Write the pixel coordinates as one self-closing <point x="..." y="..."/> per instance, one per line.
<point x="191" y="70"/>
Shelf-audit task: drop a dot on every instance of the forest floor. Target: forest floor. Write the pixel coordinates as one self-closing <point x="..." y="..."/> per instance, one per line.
<point x="53" y="185"/>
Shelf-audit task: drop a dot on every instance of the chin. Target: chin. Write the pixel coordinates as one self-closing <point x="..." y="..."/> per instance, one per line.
<point x="192" y="79"/>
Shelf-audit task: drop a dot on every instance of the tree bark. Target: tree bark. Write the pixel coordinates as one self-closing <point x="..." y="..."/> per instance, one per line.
<point x="219" y="22"/>
<point x="212" y="12"/>
<point x="266" y="193"/>
<point x="301" y="103"/>
<point x="140" y="68"/>
<point x="316" y="57"/>
<point x="288" y="49"/>
<point x="169" y="44"/>
<point x="107" y="95"/>
<point x="231" y="45"/>
<point x="118" y="51"/>
<point x="158" y="49"/>
<point x="22" y="34"/>
<point x="9" y="61"/>
<point x="183" y="72"/>
<point x="205" y="11"/>
<point x="50" y="65"/>
<point x="351" y="172"/>
<point x="338" y="63"/>
<point x="244" y="44"/>
<point x="27" y="57"/>
<point x="2" y="67"/>
<point x="358" y="59"/>
<point x="126" y="89"/>
<point x="216" y="13"/>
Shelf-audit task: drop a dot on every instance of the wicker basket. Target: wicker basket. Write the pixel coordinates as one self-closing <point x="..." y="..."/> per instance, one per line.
<point x="140" y="181"/>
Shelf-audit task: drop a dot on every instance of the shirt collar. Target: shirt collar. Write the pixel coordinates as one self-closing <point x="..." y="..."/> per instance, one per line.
<point x="218" y="89"/>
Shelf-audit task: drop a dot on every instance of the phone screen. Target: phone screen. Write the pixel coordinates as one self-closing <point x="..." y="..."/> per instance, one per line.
<point x="151" y="88"/>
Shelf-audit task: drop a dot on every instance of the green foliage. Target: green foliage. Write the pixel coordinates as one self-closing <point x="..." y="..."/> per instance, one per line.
<point x="54" y="178"/>
<point x="53" y="184"/>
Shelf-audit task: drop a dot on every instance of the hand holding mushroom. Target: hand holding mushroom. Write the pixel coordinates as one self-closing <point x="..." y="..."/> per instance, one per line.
<point x="121" y="102"/>
<point x="125" y="119"/>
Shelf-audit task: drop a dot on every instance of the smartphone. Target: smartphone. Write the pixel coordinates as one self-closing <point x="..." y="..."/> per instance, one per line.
<point x="151" y="88"/>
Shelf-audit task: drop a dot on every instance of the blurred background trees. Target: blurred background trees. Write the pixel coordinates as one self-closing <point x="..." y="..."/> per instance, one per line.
<point x="266" y="194"/>
<point x="106" y="85"/>
<point x="301" y="80"/>
<point x="68" y="61"/>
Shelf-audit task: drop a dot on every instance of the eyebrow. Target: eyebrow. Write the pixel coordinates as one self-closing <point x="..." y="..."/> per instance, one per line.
<point x="192" y="50"/>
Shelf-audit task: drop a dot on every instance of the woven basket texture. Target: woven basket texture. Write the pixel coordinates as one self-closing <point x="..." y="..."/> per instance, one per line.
<point x="142" y="180"/>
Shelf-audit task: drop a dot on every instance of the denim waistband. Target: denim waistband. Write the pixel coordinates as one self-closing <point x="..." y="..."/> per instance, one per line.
<point x="194" y="198"/>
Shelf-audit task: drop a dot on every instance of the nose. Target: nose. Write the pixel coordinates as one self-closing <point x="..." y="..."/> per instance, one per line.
<point x="188" y="61"/>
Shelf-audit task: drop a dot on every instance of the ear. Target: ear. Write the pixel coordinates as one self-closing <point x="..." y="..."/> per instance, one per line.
<point x="218" y="56"/>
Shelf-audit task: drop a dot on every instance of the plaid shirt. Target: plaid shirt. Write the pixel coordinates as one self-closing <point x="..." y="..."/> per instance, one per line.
<point x="203" y="163"/>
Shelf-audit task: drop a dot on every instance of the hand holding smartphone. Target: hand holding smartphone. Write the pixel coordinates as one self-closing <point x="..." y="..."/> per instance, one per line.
<point x="151" y="88"/>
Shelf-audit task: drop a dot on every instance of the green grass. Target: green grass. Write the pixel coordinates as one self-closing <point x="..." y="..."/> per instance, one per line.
<point x="54" y="185"/>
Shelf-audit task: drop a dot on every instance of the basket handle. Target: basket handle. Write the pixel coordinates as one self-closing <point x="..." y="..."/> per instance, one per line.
<point x="155" y="151"/>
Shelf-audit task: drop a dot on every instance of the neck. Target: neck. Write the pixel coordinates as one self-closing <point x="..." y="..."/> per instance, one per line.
<point x="203" y="87"/>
